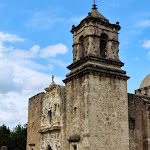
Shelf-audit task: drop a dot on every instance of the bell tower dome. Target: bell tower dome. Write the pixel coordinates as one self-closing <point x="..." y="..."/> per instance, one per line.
<point x="96" y="107"/>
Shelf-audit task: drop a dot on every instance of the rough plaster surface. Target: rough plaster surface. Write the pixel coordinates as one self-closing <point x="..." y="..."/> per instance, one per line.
<point x="34" y="121"/>
<point x="139" y="132"/>
<point x="99" y="116"/>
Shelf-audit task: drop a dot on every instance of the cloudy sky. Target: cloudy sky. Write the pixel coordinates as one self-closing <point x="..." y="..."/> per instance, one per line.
<point x="35" y="42"/>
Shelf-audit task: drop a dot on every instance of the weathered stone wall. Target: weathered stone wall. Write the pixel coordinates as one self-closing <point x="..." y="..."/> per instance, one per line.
<point x="75" y="112"/>
<point x="108" y="113"/>
<point x="50" y="139"/>
<point x="135" y="122"/>
<point x="34" y="121"/>
<point x="139" y="122"/>
<point x="97" y="111"/>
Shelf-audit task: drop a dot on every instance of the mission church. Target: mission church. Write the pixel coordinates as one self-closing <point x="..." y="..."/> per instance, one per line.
<point x="93" y="111"/>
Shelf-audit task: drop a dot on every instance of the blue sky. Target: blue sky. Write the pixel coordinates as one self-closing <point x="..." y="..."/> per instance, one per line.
<point x="35" y="42"/>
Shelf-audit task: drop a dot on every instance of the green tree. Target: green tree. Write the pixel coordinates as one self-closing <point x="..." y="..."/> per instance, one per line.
<point x="4" y="135"/>
<point x="18" y="138"/>
<point x="14" y="140"/>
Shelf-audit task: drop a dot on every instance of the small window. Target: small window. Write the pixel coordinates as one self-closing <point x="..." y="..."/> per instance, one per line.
<point x="74" y="147"/>
<point x="50" y="116"/>
<point x="75" y="111"/>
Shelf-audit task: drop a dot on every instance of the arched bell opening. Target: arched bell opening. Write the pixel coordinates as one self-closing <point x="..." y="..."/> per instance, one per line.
<point x="81" y="46"/>
<point x="103" y="45"/>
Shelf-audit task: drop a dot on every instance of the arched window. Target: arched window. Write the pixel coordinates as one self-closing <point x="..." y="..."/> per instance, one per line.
<point x="103" y="43"/>
<point x="50" y="116"/>
<point x="81" y="47"/>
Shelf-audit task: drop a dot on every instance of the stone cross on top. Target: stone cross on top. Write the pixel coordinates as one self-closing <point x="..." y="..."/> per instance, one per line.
<point x="94" y="5"/>
<point x="53" y="79"/>
<point x="94" y="2"/>
<point x="53" y="83"/>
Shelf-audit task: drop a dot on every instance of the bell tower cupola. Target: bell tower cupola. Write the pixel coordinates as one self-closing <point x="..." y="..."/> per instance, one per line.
<point x="96" y="45"/>
<point x="95" y="36"/>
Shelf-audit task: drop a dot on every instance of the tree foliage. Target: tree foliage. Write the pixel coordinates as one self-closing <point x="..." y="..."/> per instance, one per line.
<point x="4" y="135"/>
<point x="14" y="140"/>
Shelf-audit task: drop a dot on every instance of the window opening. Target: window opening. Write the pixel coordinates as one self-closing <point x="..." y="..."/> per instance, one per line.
<point x="75" y="111"/>
<point x="103" y="44"/>
<point x="81" y="47"/>
<point x="49" y="147"/>
<point x="50" y="116"/>
<point x="74" y="147"/>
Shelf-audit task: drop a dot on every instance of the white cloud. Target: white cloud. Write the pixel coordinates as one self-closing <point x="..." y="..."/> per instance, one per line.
<point x="4" y="48"/>
<point x="144" y="23"/>
<point x="43" y="20"/>
<point x="46" y="19"/>
<point x="35" y="49"/>
<point x="22" y="76"/>
<point x="6" y="37"/>
<point x="146" y="44"/>
<point x="13" y="108"/>
<point x="53" y="50"/>
<point x="50" y="66"/>
<point x="77" y="20"/>
<point x="59" y="62"/>
<point x="6" y="77"/>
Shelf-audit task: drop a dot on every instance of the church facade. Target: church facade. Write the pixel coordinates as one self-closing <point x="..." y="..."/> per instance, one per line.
<point x="93" y="111"/>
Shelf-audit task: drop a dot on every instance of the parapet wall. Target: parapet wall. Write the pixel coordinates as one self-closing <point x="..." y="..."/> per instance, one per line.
<point x="143" y="91"/>
<point x="34" y="121"/>
<point x="139" y="122"/>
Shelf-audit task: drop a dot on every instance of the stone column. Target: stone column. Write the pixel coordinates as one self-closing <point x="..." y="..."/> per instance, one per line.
<point x="108" y="49"/>
<point x="90" y="45"/>
<point x="112" y="49"/>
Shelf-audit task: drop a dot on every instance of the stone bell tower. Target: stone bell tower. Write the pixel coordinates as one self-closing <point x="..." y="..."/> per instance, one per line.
<point x="96" y="107"/>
